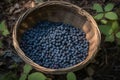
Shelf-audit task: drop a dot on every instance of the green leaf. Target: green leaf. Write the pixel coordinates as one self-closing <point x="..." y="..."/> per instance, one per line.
<point x="23" y="77"/>
<point x="37" y="76"/>
<point x="27" y="68"/>
<point x="71" y="76"/>
<point x="103" y="21"/>
<point x="5" y="32"/>
<point x="115" y="26"/>
<point x="1" y="44"/>
<point x="109" y="7"/>
<point x="111" y="15"/>
<point x="97" y="7"/>
<point x="106" y="29"/>
<point x="3" y="28"/>
<point x="109" y="38"/>
<point x="99" y="16"/>
<point x="118" y="35"/>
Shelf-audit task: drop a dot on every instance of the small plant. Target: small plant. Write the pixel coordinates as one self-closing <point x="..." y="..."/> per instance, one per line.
<point x="3" y="32"/>
<point x="105" y="13"/>
<point x="71" y="76"/>
<point x="108" y="22"/>
<point x="33" y="76"/>
<point x="40" y="76"/>
<point x="26" y="69"/>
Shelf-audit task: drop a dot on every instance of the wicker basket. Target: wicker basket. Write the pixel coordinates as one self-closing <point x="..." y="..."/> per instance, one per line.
<point x="58" y="11"/>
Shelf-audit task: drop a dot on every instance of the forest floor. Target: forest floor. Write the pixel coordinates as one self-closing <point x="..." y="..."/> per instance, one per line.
<point x="105" y="66"/>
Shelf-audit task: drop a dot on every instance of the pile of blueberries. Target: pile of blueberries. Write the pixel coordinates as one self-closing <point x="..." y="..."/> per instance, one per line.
<point x="55" y="45"/>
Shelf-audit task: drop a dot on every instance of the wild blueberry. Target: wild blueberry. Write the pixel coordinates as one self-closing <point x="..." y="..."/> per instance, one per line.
<point x="55" y="44"/>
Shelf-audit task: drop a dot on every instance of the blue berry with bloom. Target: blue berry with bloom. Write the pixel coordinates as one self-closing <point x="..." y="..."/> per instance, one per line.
<point x="55" y="45"/>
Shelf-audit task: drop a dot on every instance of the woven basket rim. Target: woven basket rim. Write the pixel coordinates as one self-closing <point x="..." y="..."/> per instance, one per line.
<point x="48" y="70"/>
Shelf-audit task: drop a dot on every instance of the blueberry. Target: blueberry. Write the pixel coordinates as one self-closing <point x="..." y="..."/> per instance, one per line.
<point x="55" y="44"/>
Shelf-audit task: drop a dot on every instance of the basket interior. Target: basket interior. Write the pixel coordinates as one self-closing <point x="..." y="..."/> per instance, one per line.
<point x="55" y="13"/>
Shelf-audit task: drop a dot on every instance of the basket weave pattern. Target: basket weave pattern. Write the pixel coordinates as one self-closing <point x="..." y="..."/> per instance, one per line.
<point x="58" y="11"/>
